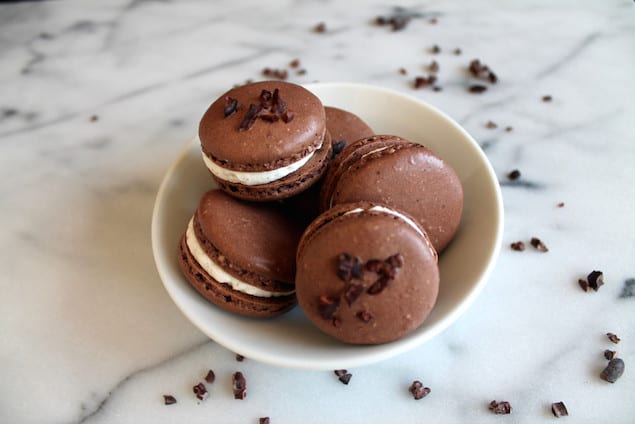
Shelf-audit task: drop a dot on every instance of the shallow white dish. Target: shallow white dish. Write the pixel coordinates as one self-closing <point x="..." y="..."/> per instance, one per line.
<point x="291" y="340"/>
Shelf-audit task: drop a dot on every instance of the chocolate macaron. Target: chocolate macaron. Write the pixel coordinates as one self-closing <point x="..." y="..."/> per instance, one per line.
<point x="399" y="173"/>
<point x="265" y="141"/>
<point x="345" y="127"/>
<point x="366" y="273"/>
<point x="241" y="255"/>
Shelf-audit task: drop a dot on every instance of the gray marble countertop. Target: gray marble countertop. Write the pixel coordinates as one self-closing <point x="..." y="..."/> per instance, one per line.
<point x="98" y="98"/>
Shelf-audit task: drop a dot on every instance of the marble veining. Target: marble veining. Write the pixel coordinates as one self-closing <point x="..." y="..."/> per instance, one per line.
<point x="98" y="98"/>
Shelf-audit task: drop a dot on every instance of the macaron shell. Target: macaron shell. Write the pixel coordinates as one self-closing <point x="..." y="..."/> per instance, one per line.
<point x="266" y="145"/>
<point x="256" y="238"/>
<point x="399" y="309"/>
<point x="225" y="297"/>
<point x="345" y="125"/>
<point x="291" y="185"/>
<point x="403" y="175"/>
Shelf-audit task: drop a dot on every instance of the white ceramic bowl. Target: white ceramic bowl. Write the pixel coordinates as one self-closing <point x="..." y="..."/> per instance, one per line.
<point x="291" y="340"/>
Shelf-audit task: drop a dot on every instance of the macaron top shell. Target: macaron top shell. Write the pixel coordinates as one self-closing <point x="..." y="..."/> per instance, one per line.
<point x="345" y="126"/>
<point x="256" y="237"/>
<point x="400" y="174"/>
<point x="343" y="303"/>
<point x="268" y="143"/>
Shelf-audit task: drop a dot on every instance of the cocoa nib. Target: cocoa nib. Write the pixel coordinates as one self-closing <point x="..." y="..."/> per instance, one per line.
<point x="609" y="354"/>
<point x="418" y="390"/>
<point x="271" y="109"/>
<point x="613" y="337"/>
<point x="169" y="399"/>
<point x="250" y="117"/>
<point x="518" y="246"/>
<point x="327" y="306"/>
<point x="421" y="81"/>
<point x="596" y="280"/>
<point x="239" y="385"/>
<point x="210" y="377"/>
<point x="240" y="357"/>
<point x="264" y="420"/>
<point x="348" y="267"/>
<point x="395" y="261"/>
<point x="200" y="391"/>
<point x="231" y="106"/>
<point x="613" y="370"/>
<point x="514" y="175"/>
<point x="353" y="292"/>
<point x="365" y="316"/>
<point x="320" y="28"/>
<point x="538" y="244"/>
<point x="379" y="285"/>
<point x="281" y="74"/>
<point x="583" y="284"/>
<point x="559" y="410"/>
<point x="343" y="375"/>
<point x="502" y="407"/>
<point x="396" y="22"/>
<point x="477" y="88"/>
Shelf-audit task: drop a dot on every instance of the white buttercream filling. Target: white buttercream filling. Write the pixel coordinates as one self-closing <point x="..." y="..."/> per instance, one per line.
<point x="255" y="178"/>
<point x="384" y="209"/>
<point x="217" y="273"/>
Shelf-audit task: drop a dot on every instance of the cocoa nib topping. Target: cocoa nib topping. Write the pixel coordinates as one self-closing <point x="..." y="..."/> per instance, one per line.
<point x="348" y="267"/>
<point x="353" y="292"/>
<point x="343" y="375"/>
<point x="559" y="410"/>
<point x="518" y="246"/>
<point x="502" y="407"/>
<point x="418" y="390"/>
<point x="271" y="109"/>
<point x="327" y="306"/>
<point x="169" y="399"/>
<point x="200" y="391"/>
<point x="379" y="285"/>
<point x="239" y="385"/>
<point x="210" y="377"/>
<point x="613" y="370"/>
<point x="365" y="316"/>
<point x="231" y="106"/>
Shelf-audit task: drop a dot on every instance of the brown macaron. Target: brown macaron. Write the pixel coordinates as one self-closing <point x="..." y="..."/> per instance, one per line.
<point x="401" y="174"/>
<point x="241" y="255"/>
<point x="345" y="127"/>
<point x="366" y="273"/>
<point x="265" y="141"/>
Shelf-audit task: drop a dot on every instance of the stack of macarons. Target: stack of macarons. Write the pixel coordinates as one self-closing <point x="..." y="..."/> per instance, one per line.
<point x="313" y="208"/>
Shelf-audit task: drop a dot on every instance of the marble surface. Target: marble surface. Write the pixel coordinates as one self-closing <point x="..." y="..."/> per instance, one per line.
<point x="97" y="100"/>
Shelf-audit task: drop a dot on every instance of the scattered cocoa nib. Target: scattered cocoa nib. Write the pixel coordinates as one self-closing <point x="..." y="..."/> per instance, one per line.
<point x="491" y="125"/>
<point x="560" y="205"/>
<point x="418" y="390"/>
<point x="320" y="28"/>
<point x="457" y="51"/>
<point x="281" y="74"/>
<point x="301" y="72"/>
<point x="502" y="407"/>
<point x="294" y="63"/>
<point x="613" y="337"/>
<point x="343" y="375"/>
<point x="609" y="354"/>
<point x="210" y="377"/>
<point x="509" y="129"/>
<point x="353" y="292"/>
<point x="547" y="98"/>
<point x="365" y="316"/>
<point x="239" y="357"/>
<point x="264" y="420"/>
<point x="94" y="118"/>
<point x="422" y="81"/>
<point x="477" y="88"/>
<point x="231" y="106"/>
<point x="200" y="391"/>
<point x="538" y="244"/>
<point x="169" y="400"/>
<point x="518" y="246"/>
<point x="433" y="21"/>
<point x="596" y="280"/>
<point x="349" y="267"/>
<point x="629" y="289"/>
<point x="434" y="67"/>
<point x="437" y="88"/>
<point x="583" y="284"/>
<point x="435" y="49"/>
<point x="559" y="409"/>
<point x="239" y="385"/>
<point x="327" y="306"/>
<point x="396" y="22"/>
<point x="514" y="175"/>
<point x="613" y="370"/>
<point x="481" y="71"/>
<point x="403" y="71"/>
